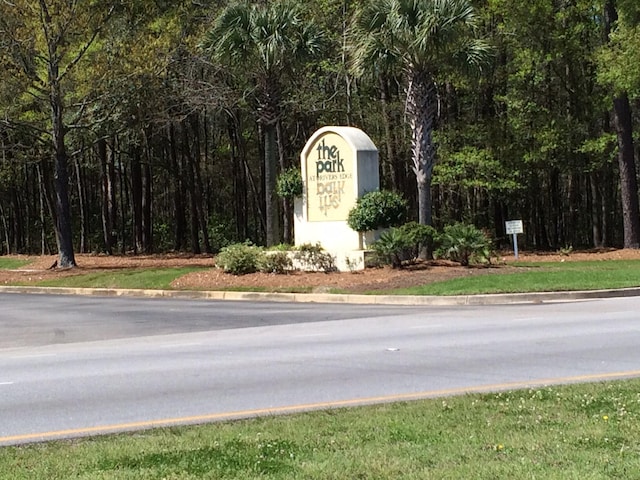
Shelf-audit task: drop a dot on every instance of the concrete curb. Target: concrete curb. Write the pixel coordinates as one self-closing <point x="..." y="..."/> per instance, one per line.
<point x="488" y="299"/>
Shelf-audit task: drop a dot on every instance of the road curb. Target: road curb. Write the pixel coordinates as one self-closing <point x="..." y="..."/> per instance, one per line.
<point x="417" y="300"/>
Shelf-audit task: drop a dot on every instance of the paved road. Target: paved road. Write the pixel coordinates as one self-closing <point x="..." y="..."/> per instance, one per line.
<point x="72" y="366"/>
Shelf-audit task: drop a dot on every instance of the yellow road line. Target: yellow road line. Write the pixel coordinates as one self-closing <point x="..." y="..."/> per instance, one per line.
<point x="76" y="432"/>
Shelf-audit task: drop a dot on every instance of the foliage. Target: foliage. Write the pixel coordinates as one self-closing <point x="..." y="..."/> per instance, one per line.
<point x="393" y="246"/>
<point x="404" y="243"/>
<point x="220" y="233"/>
<point x="240" y="258"/>
<point x="464" y="243"/>
<point x="421" y="237"/>
<point x="275" y="262"/>
<point x="289" y="183"/>
<point x="269" y="43"/>
<point x="377" y="209"/>
<point x="617" y="60"/>
<point x="426" y="41"/>
<point x="474" y="168"/>
<point x="243" y="258"/>
<point x="315" y="258"/>
<point x="532" y="137"/>
<point x="272" y="38"/>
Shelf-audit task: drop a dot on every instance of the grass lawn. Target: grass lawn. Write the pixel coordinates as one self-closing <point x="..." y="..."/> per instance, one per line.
<point x="530" y="277"/>
<point x="153" y="278"/>
<point x="539" y="277"/>
<point x="583" y="432"/>
<point x="11" y="263"/>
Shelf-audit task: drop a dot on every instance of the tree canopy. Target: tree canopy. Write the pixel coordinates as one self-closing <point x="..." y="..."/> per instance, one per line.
<point x="138" y="126"/>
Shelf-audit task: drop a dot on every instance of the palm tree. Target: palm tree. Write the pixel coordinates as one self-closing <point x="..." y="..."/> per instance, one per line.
<point x="268" y="43"/>
<point x="424" y="39"/>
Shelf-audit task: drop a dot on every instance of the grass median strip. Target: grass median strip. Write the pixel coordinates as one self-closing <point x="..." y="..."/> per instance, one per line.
<point x="538" y="277"/>
<point x="11" y="263"/>
<point x="577" y="431"/>
<point x="529" y="277"/>
<point x="153" y="278"/>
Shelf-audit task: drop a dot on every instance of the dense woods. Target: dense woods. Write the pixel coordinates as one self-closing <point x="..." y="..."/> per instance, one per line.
<point x="140" y="126"/>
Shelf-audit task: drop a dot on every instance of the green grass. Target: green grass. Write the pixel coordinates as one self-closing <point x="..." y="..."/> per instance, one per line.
<point x="158" y="278"/>
<point x="583" y="432"/>
<point x="538" y="277"/>
<point x="531" y="277"/>
<point x="11" y="263"/>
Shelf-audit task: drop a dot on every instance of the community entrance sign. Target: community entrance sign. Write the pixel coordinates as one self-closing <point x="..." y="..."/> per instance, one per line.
<point x="339" y="165"/>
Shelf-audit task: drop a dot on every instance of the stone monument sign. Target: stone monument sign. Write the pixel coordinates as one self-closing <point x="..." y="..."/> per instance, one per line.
<point x="339" y="165"/>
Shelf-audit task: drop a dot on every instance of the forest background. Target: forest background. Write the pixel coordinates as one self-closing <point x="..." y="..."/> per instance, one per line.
<point x="127" y="127"/>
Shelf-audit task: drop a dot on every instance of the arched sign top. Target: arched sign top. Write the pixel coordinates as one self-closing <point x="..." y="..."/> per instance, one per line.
<point x="338" y="165"/>
<point x="354" y="137"/>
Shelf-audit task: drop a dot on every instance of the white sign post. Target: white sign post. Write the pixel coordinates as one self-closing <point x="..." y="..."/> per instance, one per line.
<point x="514" y="227"/>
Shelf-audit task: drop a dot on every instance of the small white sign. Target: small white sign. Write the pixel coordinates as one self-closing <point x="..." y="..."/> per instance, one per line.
<point x="513" y="227"/>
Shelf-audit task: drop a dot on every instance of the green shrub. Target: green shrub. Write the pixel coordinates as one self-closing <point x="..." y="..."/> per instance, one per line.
<point x="275" y="262"/>
<point x="289" y="183"/>
<point x="402" y="244"/>
<point x="162" y="237"/>
<point x="220" y="233"/>
<point x="379" y="209"/>
<point x="421" y="237"/>
<point x="393" y="247"/>
<point x="313" y="257"/>
<point x="464" y="243"/>
<point x="240" y="258"/>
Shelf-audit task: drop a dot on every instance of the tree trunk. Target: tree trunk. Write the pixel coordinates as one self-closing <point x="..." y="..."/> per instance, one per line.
<point x="178" y="198"/>
<point x="389" y="166"/>
<point x="628" y="176"/>
<point x="271" y="199"/>
<point x="108" y="196"/>
<point x="240" y="180"/>
<point x="189" y="177"/>
<point x="147" y="227"/>
<point x="136" y="199"/>
<point x="626" y="161"/>
<point x="45" y="188"/>
<point x="287" y="217"/>
<point x="6" y="231"/>
<point x="64" y="235"/>
<point x="84" y="221"/>
<point x="597" y="212"/>
<point x="198" y="186"/>
<point x="422" y="109"/>
<point x="124" y="195"/>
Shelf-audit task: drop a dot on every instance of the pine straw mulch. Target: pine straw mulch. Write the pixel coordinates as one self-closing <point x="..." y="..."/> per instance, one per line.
<point x="211" y="278"/>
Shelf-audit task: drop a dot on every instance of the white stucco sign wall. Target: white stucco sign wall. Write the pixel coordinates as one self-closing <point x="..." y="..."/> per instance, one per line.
<point x="339" y="165"/>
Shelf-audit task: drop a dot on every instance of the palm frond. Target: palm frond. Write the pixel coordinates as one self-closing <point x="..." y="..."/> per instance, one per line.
<point x="271" y="37"/>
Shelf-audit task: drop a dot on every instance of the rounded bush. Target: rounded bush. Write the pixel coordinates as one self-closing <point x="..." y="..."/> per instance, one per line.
<point x="464" y="243"/>
<point x="289" y="183"/>
<point x="240" y="258"/>
<point x="378" y="209"/>
<point x="277" y="262"/>
<point x="314" y="258"/>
